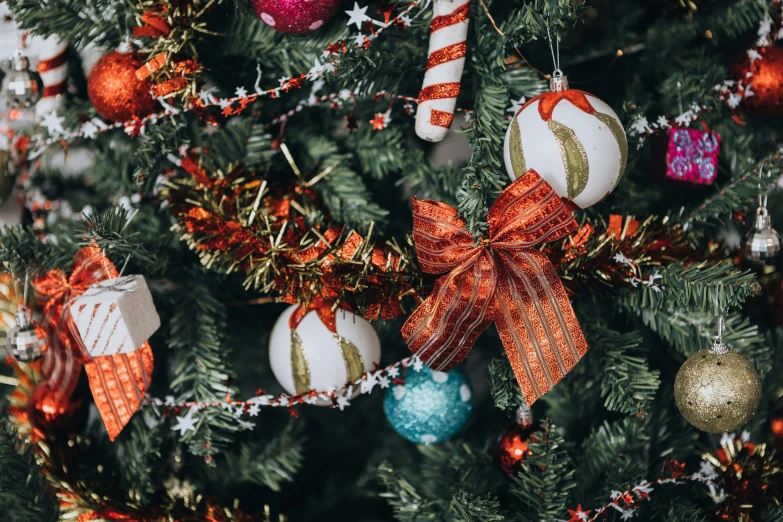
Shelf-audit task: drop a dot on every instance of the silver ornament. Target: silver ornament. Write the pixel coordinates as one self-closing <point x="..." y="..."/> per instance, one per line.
<point x="762" y="247"/>
<point x="22" y="87"/>
<point x="25" y="342"/>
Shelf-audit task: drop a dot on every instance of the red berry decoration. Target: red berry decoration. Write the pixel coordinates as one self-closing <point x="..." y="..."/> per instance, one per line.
<point x="766" y="81"/>
<point x="511" y="449"/>
<point x="115" y="91"/>
<point x="295" y="16"/>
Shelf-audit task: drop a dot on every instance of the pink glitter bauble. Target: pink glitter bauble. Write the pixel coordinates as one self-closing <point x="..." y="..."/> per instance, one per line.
<point x="295" y="16"/>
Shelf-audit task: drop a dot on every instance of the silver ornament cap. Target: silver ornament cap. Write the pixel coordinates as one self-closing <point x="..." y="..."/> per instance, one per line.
<point x="22" y="87"/>
<point x="558" y="81"/>
<point x="762" y="247"/>
<point x="24" y="342"/>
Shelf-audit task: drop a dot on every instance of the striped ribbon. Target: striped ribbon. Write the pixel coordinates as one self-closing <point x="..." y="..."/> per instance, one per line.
<point x="504" y="279"/>
<point x="446" y="60"/>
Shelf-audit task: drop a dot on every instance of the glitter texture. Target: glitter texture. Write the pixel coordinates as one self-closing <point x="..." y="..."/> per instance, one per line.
<point x="447" y="54"/>
<point x="439" y="91"/>
<point x="692" y="155"/>
<point x="515" y="151"/>
<point x="717" y="393"/>
<point x="430" y="406"/>
<point x="441" y="118"/>
<point x="295" y="16"/>
<point x="114" y="89"/>
<point x="574" y="156"/>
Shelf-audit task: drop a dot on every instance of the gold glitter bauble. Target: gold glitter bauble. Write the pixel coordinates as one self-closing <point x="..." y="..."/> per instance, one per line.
<point x="717" y="392"/>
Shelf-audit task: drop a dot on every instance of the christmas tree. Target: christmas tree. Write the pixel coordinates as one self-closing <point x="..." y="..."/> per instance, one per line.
<point x="416" y="260"/>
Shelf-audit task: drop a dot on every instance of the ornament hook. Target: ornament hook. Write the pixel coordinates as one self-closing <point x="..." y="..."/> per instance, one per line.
<point x="718" y="346"/>
<point x="557" y="81"/>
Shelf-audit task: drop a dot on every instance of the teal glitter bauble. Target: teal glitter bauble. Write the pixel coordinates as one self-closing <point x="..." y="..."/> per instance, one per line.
<point x="431" y="406"/>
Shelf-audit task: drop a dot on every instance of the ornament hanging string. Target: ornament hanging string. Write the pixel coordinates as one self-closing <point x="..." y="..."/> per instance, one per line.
<point x="555" y="59"/>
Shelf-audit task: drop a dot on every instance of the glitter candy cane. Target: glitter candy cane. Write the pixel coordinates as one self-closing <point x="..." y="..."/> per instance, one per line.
<point x="438" y="96"/>
<point x="53" y="68"/>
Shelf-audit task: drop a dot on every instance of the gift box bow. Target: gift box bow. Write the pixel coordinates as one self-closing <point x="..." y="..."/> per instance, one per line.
<point x="503" y="279"/>
<point x="118" y="382"/>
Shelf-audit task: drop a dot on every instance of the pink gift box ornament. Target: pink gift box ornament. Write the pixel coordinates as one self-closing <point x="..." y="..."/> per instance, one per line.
<point x="692" y="155"/>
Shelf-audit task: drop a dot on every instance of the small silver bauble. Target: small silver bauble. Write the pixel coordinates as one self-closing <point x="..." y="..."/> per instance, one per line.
<point x="763" y="243"/>
<point x="22" y="87"/>
<point x="25" y="342"/>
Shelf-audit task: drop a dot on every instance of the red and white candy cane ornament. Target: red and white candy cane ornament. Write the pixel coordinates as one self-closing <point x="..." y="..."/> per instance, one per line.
<point x="438" y="96"/>
<point x="53" y="68"/>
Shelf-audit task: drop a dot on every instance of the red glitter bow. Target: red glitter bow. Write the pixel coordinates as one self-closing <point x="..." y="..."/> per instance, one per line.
<point x="118" y="382"/>
<point x="504" y="280"/>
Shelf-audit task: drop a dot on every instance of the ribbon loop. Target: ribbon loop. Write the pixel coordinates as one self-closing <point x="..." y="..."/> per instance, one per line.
<point x="442" y="242"/>
<point x="502" y="279"/>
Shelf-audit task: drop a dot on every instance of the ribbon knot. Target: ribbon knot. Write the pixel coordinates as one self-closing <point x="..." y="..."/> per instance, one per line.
<point x="504" y="279"/>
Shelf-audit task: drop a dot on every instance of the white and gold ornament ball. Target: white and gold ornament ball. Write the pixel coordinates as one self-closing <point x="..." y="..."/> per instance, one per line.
<point x="321" y="349"/>
<point x="572" y="139"/>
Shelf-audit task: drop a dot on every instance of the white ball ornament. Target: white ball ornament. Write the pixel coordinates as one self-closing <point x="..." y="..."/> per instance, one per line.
<point x="572" y="139"/>
<point x="321" y="349"/>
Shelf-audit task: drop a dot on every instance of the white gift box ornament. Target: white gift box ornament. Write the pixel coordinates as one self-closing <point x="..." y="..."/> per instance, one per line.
<point x="115" y="316"/>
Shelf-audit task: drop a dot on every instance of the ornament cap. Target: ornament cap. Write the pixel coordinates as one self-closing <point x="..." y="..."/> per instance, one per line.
<point x="21" y="62"/>
<point x="524" y="416"/>
<point x="23" y="317"/>
<point x="763" y="221"/>
<point x="718" y="346"/>
<point x="558" y="81"/>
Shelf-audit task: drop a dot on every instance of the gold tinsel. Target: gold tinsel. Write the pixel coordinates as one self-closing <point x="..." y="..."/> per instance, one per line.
<point x="750" y="478"/>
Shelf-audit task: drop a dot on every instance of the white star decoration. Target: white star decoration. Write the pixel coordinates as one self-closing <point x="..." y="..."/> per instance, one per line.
<point x="53" y="123"/>
<point x="515" y="106"/>
<point x="358" y="15"/>
<point x="186" y="423"/>
<point x="89" y="130"/>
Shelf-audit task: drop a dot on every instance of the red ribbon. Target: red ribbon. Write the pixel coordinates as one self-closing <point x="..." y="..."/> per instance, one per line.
<point x="118" y="382"/>
<point x="505" y="279"/>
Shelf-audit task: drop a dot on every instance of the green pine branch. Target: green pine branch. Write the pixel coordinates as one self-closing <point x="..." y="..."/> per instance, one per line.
<point x="23" y="494"/>
<point x="465" y="507"/>
<point x="485" y="175"/>
<point x="503" y="385"/>
<point x="628" y="385"/>
<point x="709" y="287"/>
<point x="613" y="456"/>
<point x="80" y="22"/>
<point x="274" y="463"/>
<point x="542" y="487"/>
<point x="404" y="498"/>
<point x="196" y="335"/>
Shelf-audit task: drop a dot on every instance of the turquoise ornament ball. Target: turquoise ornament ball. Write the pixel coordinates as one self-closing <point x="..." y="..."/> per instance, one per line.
<point x="431" y="406"/>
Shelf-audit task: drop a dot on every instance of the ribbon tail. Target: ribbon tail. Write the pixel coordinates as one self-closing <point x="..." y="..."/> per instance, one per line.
<point x="442" y="330"/>
<point x="119" y="383"/>
<point x="542" y="338"/>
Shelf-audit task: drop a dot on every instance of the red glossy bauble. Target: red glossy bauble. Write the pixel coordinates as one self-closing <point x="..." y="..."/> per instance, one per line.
<point x="48" y="414"/>
<point x="766" y="82"/>
<point x="511" y="448"/>
<point x="776" y="423"/>
<point x="295" y="16"/>
<point x="114" y="90"/>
